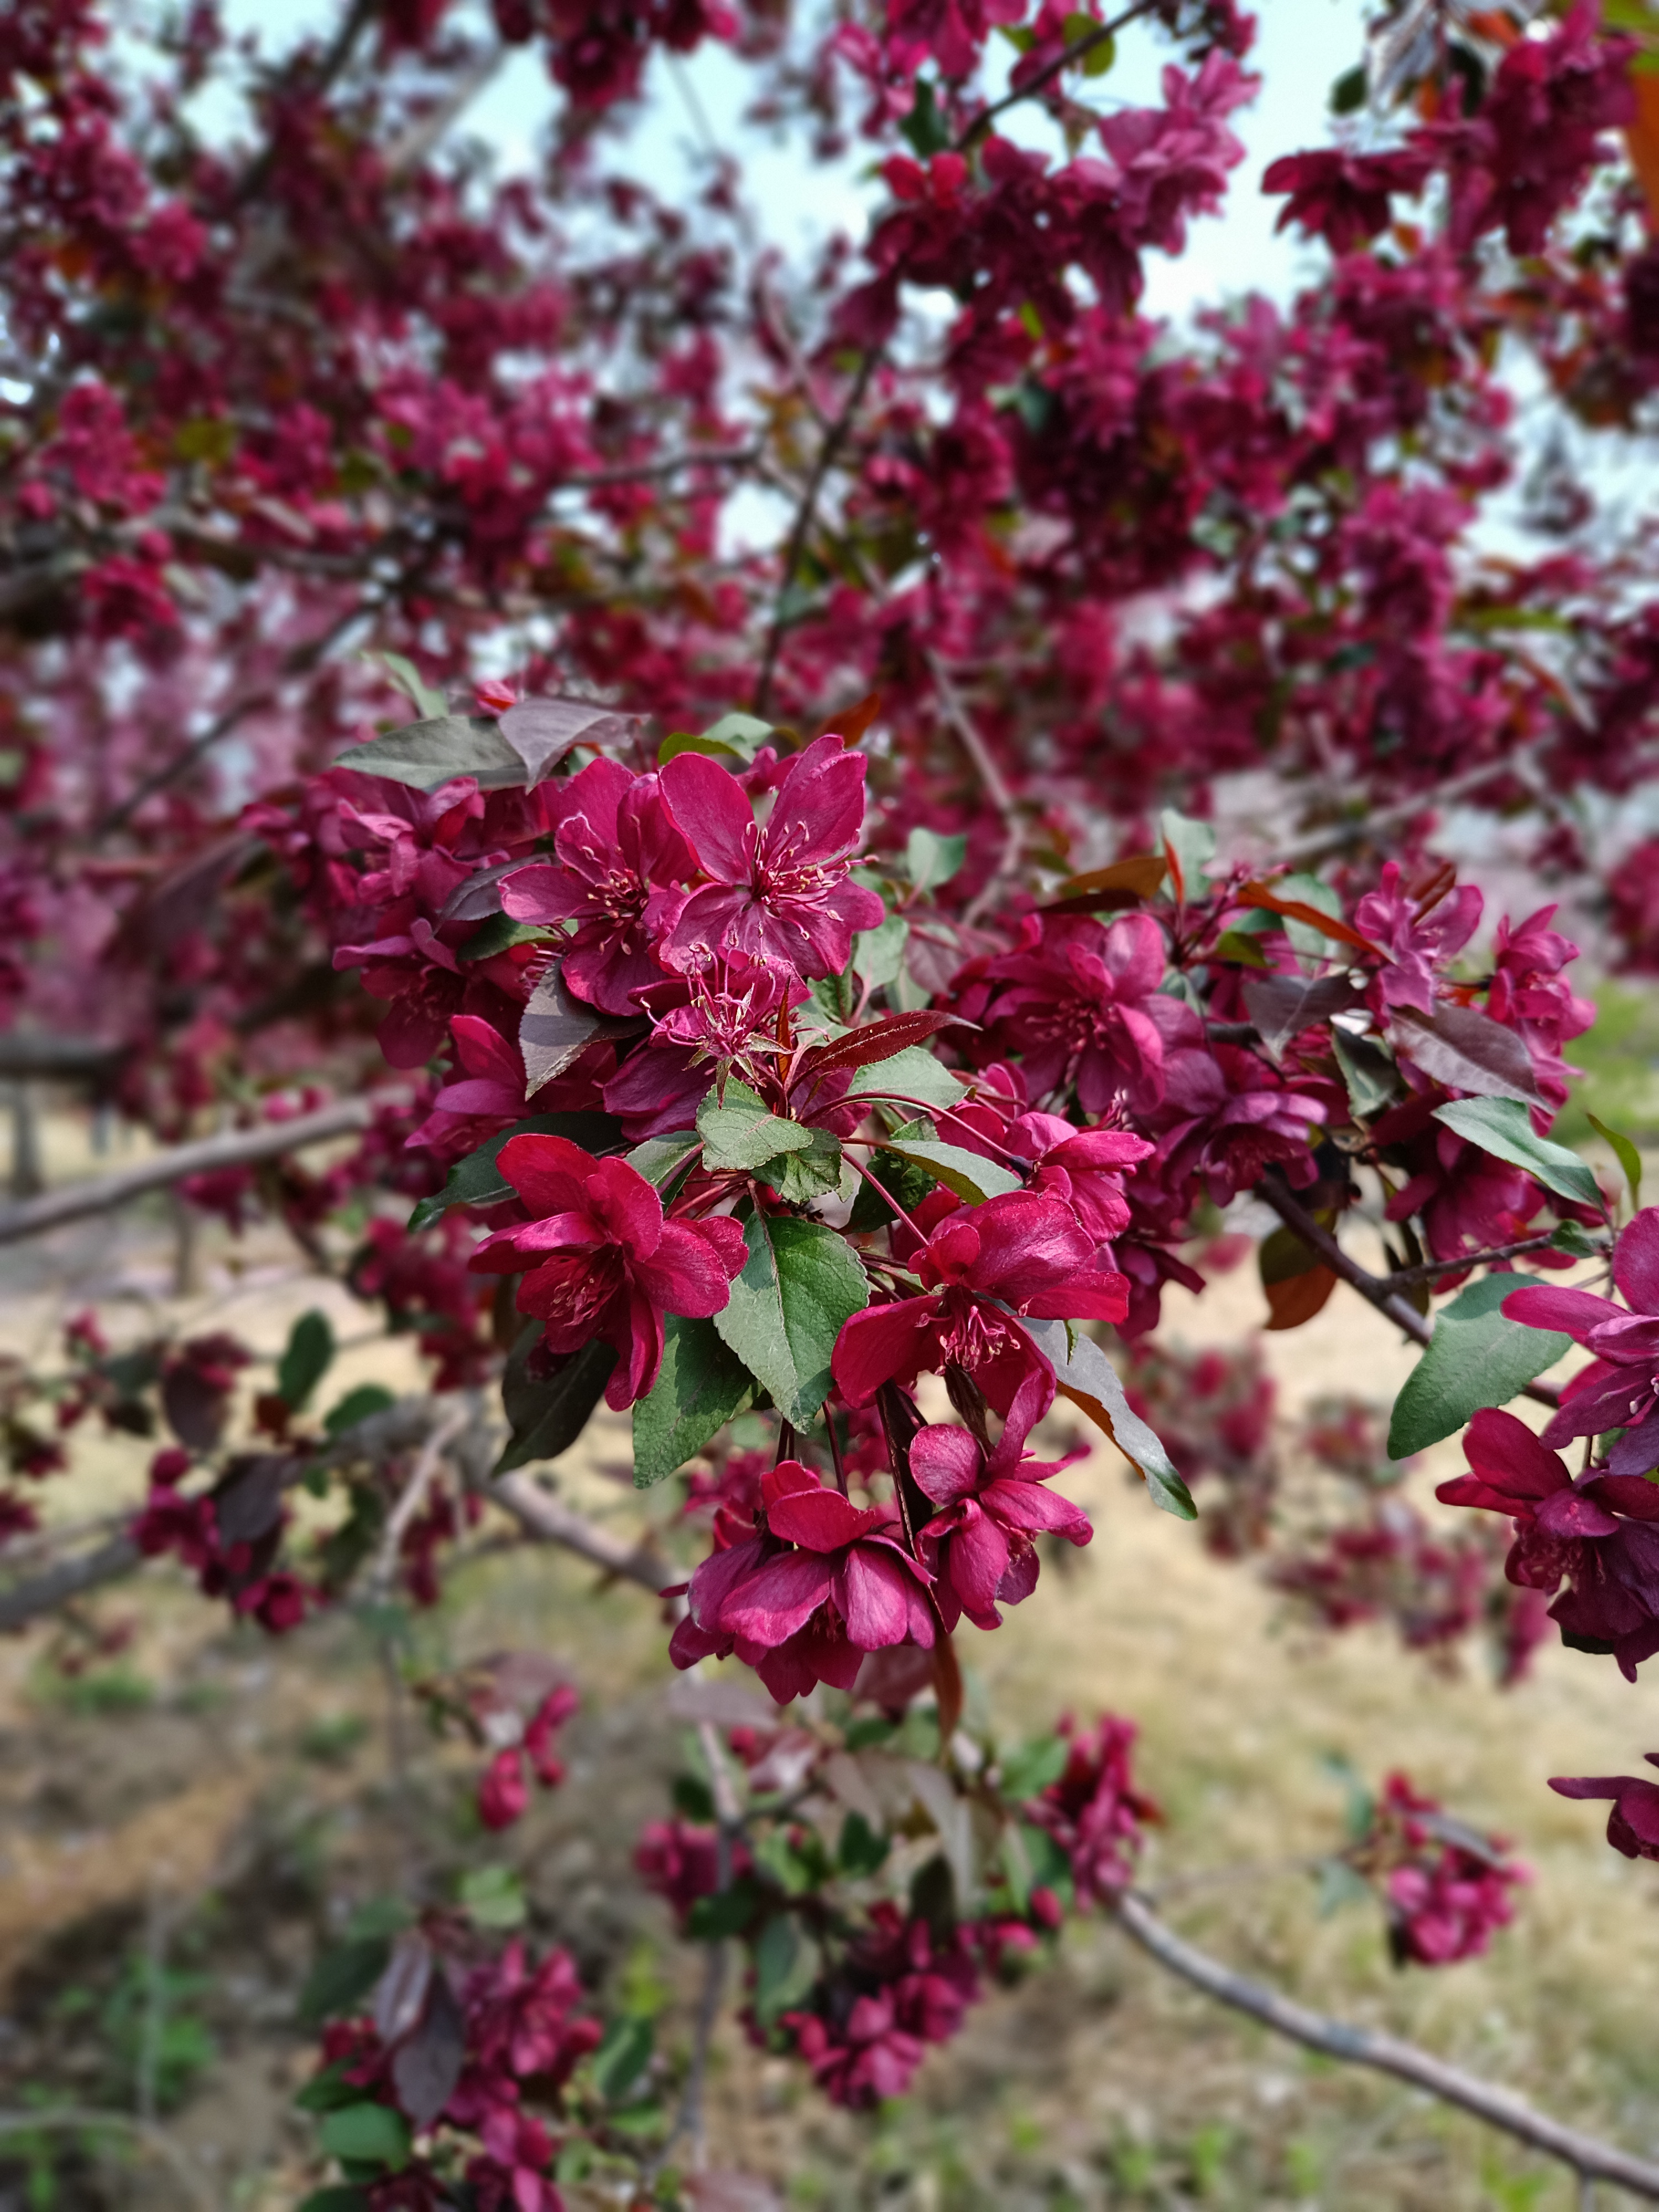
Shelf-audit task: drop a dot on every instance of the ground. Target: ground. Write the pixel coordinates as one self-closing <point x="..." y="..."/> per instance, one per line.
<point x="200" y="1814"/>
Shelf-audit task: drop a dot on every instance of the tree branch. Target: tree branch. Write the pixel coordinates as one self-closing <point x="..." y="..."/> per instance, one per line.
<point x="1373" y="1289"/>
<point x="835" y="438"/>
<point x="395" y="1428"/>
<point x="990" y="774"/>
<point x="237" y="1148"/>
<point x="1431" y="1270"/>
<point x="60" y="1059"/>
<point x="1079" y="49"/>
<point x="1360" y="2047"/>
<point x="541" y="1515"/>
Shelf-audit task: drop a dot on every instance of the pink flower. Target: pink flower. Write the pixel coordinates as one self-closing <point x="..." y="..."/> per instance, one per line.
<point x="981" y="1269"/>
<point x="1602" y="1531"/>
<point x="503" y="1793"/>
<point x="1528" y="995"/>
<point x="1094" y="1812"/>
<point x="1084" y="1167"/>
<point x="1415" y="940"/>
<point x="1633" y="1823"/>
<point x="899" y="1990"/>
<point x="1451" y="1888"/>
<point x="1343" y="196"/>
<point x="680" y="1861"/>
<point x="603" y="1263"/>
<point x="733" y="997"/>
<point x="995" y="1507"/>
<point x="620" y="863"/>
<point x="802" y="1602"/>
<point x="778" y="893"/>
<point x="1621" y="1389"/>
<point x="489" y="1095"/>
<point x="1083" y="1008"/>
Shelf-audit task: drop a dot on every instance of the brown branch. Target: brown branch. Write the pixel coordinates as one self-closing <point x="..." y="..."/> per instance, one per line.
<point x="1431" y="1270"/>
<point x="835" y="438"/>
<point x="300" y="79"/>
<point x="236" y="1148"/>
<point x="1373" y="1289"/>
<point x="1587" y="2157"/>
<point x="394" y="1429"/>
<point x="990" y="776"/>
<point x="712" y="457"/>
<point x="540" y="1514"/>
<point x="1375" y="821"/>
<point x="58" y="1059"/>
<point x="1079" y="49"/>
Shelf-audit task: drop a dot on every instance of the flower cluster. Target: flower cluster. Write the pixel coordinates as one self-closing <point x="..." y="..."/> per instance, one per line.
<point x="1445" y="1889"/>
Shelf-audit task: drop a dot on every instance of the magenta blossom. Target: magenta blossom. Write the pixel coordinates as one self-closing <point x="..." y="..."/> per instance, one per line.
<point x="602" y="1261"/>
<point x="981" y="1268"/>
<point x="1633" y="1823"/>
<point x="845" y="1585"/>
<point x="1415" y="938"/>
<point x="733" y="997"/>
<point x="779" y="892"/>
<point x="489" y="1095"/>
<point x="1094" y="1812"/>
<point x="621" y="864"/>
<point x="1528" y="994"/>
<point x="995" y="1509"/>
<point x="1601" y="1533"/>
<point x="1621" y="1390"/>
<point x="1082" y="1005"/>
<point x="1084" y="1167"/>
<point x="1448" y="1887"/>
<point x="900" y="1988"/>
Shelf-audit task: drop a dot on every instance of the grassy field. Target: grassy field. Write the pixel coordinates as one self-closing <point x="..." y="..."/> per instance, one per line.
<point x="208" y="1807"/>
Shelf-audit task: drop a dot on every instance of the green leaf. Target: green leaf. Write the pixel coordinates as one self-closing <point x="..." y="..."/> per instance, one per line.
<point x="931" y="860"/>
<point x="885" y="1172"/>
<point x="1570" y="1237"/>
<point x="1027" y="1771"/>
<point x="493" y="1897"/>
<point x="1627" y="1154"/>
<point x="359" y="1405"/>
<point x="340" y="2196"/>
<point x="413" y="685"/>
<point x="327" y="2091"/>
<point x="727" y="1912"/>
<point x="1189" y="846"/>
<point x="1348" y="93"/>
<point x="785" y="1967"/>
<point x="735" y="737"/>
<point x="623" y="2057"/>
<point x="368" y="2134"/>
<point x="861" y="1850"/>
<point x="1100" y="57"/>
<point x="1502" y="1127"/>
<point x="475" y="1179"/>
<point x="924" y="126"/>
<point x="342" y="1976"/>
<point x="1307" y="942"/>
<point x="494" y="934"/>
<point x="1087" y="1378"/>
<point x="964" y="1172"/>
<point x="546" y="1415"/>
<point x="703" y="1385"/>
<point x="306" y="1359"/>
<point x="912" y="1076"/>
<point x="1476" y="1358"/>
<point x="787" y="1307"/>
<point x="740" y="1134"/>
<point x="660" y="1159"/>
<point x="431" y="752"/>
<point x="878" y="954"/>
<point x="798" y="1176"/>
<point x="1369" y="1071"/>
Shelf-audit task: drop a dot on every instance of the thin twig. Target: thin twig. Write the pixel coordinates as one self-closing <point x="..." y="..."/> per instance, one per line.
<point x="89" y="2119"/>
<point x="1360" y="2047"/>
<point x="1431" y="1270"/>
<point x="1373" y="1289"/>
<point x="235" y="1148"/>
<point x="541" y="1515"/>
<point x="834" y="439"/>
<point x="1079" y="49"/>
<point x="411" y="1498"/>
<point x="990" y="776"/>
<point x="1375" y="821"/>
<point x="422" y="135"/>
